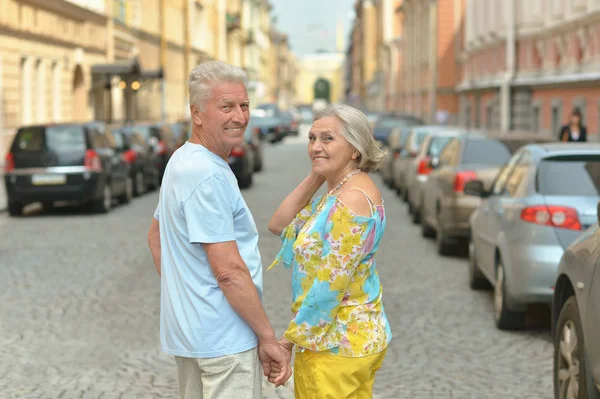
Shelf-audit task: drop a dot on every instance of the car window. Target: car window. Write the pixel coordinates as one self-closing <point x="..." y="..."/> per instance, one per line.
<point x="29" y="139"/>
<point x="516" y="178"/>
<point x="65" y="139"/>
<point x="487" y="152"/>
<point x="118" y="138"/>
<point x="449" y="154"/>
<point x="569" y="175"/>
<point x="436" y="145"/>
<point x="502" y="177"/>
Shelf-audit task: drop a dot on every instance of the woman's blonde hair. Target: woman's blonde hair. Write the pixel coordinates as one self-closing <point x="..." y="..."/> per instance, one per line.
<point x="357" y="130"/>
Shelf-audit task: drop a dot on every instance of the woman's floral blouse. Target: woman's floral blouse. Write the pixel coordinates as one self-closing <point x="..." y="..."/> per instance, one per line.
<point x="335" y="286"/>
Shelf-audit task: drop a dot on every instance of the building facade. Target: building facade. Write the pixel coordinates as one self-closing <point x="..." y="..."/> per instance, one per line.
<point x="121" y="60"/>
<point x="529" y="64"/>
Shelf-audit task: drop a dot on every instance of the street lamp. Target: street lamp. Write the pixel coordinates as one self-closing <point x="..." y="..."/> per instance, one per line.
<point x="135" y="85"/>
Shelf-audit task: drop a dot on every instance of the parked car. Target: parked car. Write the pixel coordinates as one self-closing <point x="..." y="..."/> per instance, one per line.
<point x="537" y="206"/>
<point x="144" y="162"/>
<point x="576" y="319"/>
<point x="445" y="209"/>
<point x="271" y="126"/>
<point x="410" y="149"/>
<point x="396" y="142"/>
<point x="65" y="162"/>
<point x="385" y="124"/>
<point x="161" y="139"/>
<point x="241" y="161"/>
<point x="418" y="169"/>
<point x="291" y="122"/>
<point x="252" y="136"/>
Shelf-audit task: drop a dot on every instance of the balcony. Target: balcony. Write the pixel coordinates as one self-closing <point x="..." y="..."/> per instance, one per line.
<point x="234" y="21"/>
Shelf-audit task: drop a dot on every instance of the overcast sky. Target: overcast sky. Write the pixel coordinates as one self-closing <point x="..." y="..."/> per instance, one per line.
<point x="311" y="24"/>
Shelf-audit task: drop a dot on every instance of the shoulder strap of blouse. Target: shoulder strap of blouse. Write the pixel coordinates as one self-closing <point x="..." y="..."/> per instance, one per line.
<point x="371" y="203"/>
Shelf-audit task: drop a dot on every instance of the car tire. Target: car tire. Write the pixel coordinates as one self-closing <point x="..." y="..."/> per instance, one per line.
<point x="426" y="230"/>
<point x="416" y="215"/>
<point x="15" y="209"/>
<point x="506" y="319"/>
<point x="568" y="327"/>
<point x="477" y="280"/>
<point x="155" y="182"/>
<point x="258" y="166"/>
<point x="128" y="194"/>
<point x="246" y="181"/>
<point x="444" y="245"/>
<point x="103" y="204"/>
<point x="139" y="185"/>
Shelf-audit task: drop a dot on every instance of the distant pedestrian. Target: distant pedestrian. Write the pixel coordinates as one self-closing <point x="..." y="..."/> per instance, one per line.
<point x="577" y="131"/>
<point x="205" y="248"/>
<point x="340" y="329"/>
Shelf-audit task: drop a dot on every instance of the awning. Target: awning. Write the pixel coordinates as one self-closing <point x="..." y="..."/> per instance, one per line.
<point x="126" y="69"/>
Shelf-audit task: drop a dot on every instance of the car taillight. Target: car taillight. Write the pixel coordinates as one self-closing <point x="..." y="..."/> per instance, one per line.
<point x="161" y="149"/>
<point x="550" y="215"/>
<point x="424" y="168"/>
<point x="92" y="161"/>
<point x="462" y="178"/>
<point x="9" y="165"/>
<point x="130" y="156"/>
<point x="256" y="130"/>
<point x="237" y="152"/>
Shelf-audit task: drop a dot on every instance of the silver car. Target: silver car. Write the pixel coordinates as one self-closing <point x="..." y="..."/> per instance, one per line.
<point x="409" y="151"/>
<point x="537" y="206"/>
<point x="418" y="170"/>
<point x="576" y="319"/>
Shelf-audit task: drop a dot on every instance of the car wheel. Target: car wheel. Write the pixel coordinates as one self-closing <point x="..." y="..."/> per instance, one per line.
<point x="128" y="194"/>
<point x="416" y="215"/>
<point x="155" y="182"/>
<point x="571" y="376"/>
<point x="103" y="204"/>
<point x="444" y="245"/>
<point x="426" y="230"/>
<point x="15" y="209"/>
<point x="139" y="187"/>
<point x="258" y="165"/>
<point x="477" y="280"/>
<point x="405" y="195"/>
<point x="506" y="319"/>
<point x="246" y="181"/>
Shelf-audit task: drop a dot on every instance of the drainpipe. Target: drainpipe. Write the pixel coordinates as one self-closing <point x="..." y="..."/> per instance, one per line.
<point x="505" y="89"/>
<point x="433" y="60"/>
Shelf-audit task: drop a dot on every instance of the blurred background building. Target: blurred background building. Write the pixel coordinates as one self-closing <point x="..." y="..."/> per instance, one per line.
<point x="128" y="60"/>
<point x="499" y="64"/>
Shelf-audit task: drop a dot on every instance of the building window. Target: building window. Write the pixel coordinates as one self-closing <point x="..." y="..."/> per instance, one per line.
<point x="535" y="118"/>
<point x="40" y="95"/>
<point x="119" y="10"/>
<point x="25" y="91"/>
<point x="489" y="115"/>
<point x="556" y="119"/>
<point x="56" y="93"/>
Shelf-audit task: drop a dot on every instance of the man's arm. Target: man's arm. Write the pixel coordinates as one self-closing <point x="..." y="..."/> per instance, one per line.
<point x="235" y="281"/>
<point x="154" y="243"/>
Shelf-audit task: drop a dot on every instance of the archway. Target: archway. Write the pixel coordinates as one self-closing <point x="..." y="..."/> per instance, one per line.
<point x="79" y="95"/>
<point x="322" y="90"/>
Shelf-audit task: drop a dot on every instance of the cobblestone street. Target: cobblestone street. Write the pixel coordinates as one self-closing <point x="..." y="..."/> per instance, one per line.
<point x="79" y="307"/>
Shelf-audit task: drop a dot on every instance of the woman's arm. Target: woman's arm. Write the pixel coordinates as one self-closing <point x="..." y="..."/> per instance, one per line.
<point x="294" y="202"/>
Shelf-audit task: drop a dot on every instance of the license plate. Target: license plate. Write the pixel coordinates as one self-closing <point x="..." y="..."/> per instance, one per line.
<point x="50" y="179"/>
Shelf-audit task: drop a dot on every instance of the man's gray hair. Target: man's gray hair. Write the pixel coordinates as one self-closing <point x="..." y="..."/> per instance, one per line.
<point x="356" y="128"/>
<point x="204" y="76"/>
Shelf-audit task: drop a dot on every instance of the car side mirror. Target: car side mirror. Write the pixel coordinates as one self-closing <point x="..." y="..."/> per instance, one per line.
<point x="475" y="188"/>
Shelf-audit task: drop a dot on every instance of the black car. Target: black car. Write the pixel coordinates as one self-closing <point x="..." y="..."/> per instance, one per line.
<point x="66" y="162"/>
<point x="143" y="161"/>
<point x="241" y="161"/>
<point x="161" y="139"/>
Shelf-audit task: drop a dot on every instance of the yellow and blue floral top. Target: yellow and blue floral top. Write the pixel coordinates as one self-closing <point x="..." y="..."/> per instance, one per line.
<point x="336" y="290"/>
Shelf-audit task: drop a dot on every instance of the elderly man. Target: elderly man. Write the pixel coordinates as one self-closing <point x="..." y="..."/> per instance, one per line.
<point x="205" y="248"/>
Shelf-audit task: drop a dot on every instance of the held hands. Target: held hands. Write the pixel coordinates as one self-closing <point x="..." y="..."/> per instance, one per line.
<point x="286" y="347"/>
<point x="275" y="361"/>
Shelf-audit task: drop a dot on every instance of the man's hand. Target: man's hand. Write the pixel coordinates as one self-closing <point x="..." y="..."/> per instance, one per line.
<point x="275" y="362"/>
<point x="286" y="346"/>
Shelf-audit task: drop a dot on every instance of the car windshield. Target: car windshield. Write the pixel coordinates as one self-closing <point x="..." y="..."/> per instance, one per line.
<point x="487" y="152"/>
<point x="569" y="175"/>
<point x="436" y="145"/>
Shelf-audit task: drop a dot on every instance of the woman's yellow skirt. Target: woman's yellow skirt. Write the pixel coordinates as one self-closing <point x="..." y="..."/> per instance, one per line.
<point x="321" y="375"/>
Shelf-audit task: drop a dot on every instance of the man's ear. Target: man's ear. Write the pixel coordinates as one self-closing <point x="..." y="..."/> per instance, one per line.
<point x="196" y="115"/>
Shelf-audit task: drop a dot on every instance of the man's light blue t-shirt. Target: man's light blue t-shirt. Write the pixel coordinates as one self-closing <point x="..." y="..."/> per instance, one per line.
<point x="200" y="202"/>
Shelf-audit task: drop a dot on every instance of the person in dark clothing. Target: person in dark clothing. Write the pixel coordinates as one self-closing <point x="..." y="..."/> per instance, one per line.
<point x="575" y="128"/>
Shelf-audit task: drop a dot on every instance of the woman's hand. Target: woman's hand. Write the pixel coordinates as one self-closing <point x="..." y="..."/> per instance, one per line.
<point x="286" y="347"/>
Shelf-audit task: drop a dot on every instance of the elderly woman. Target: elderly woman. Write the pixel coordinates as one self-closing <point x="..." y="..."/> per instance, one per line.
<point x="339" y="328"/>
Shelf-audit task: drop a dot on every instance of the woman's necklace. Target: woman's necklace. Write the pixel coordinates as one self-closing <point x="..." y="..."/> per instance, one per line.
<point x="349" y="175"/>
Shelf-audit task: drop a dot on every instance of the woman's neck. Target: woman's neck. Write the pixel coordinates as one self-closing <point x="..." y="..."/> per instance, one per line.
<point x="332" y="182"/>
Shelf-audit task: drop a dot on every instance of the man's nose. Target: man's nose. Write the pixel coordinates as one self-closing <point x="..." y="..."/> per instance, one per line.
<point x="238" y="116"/>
